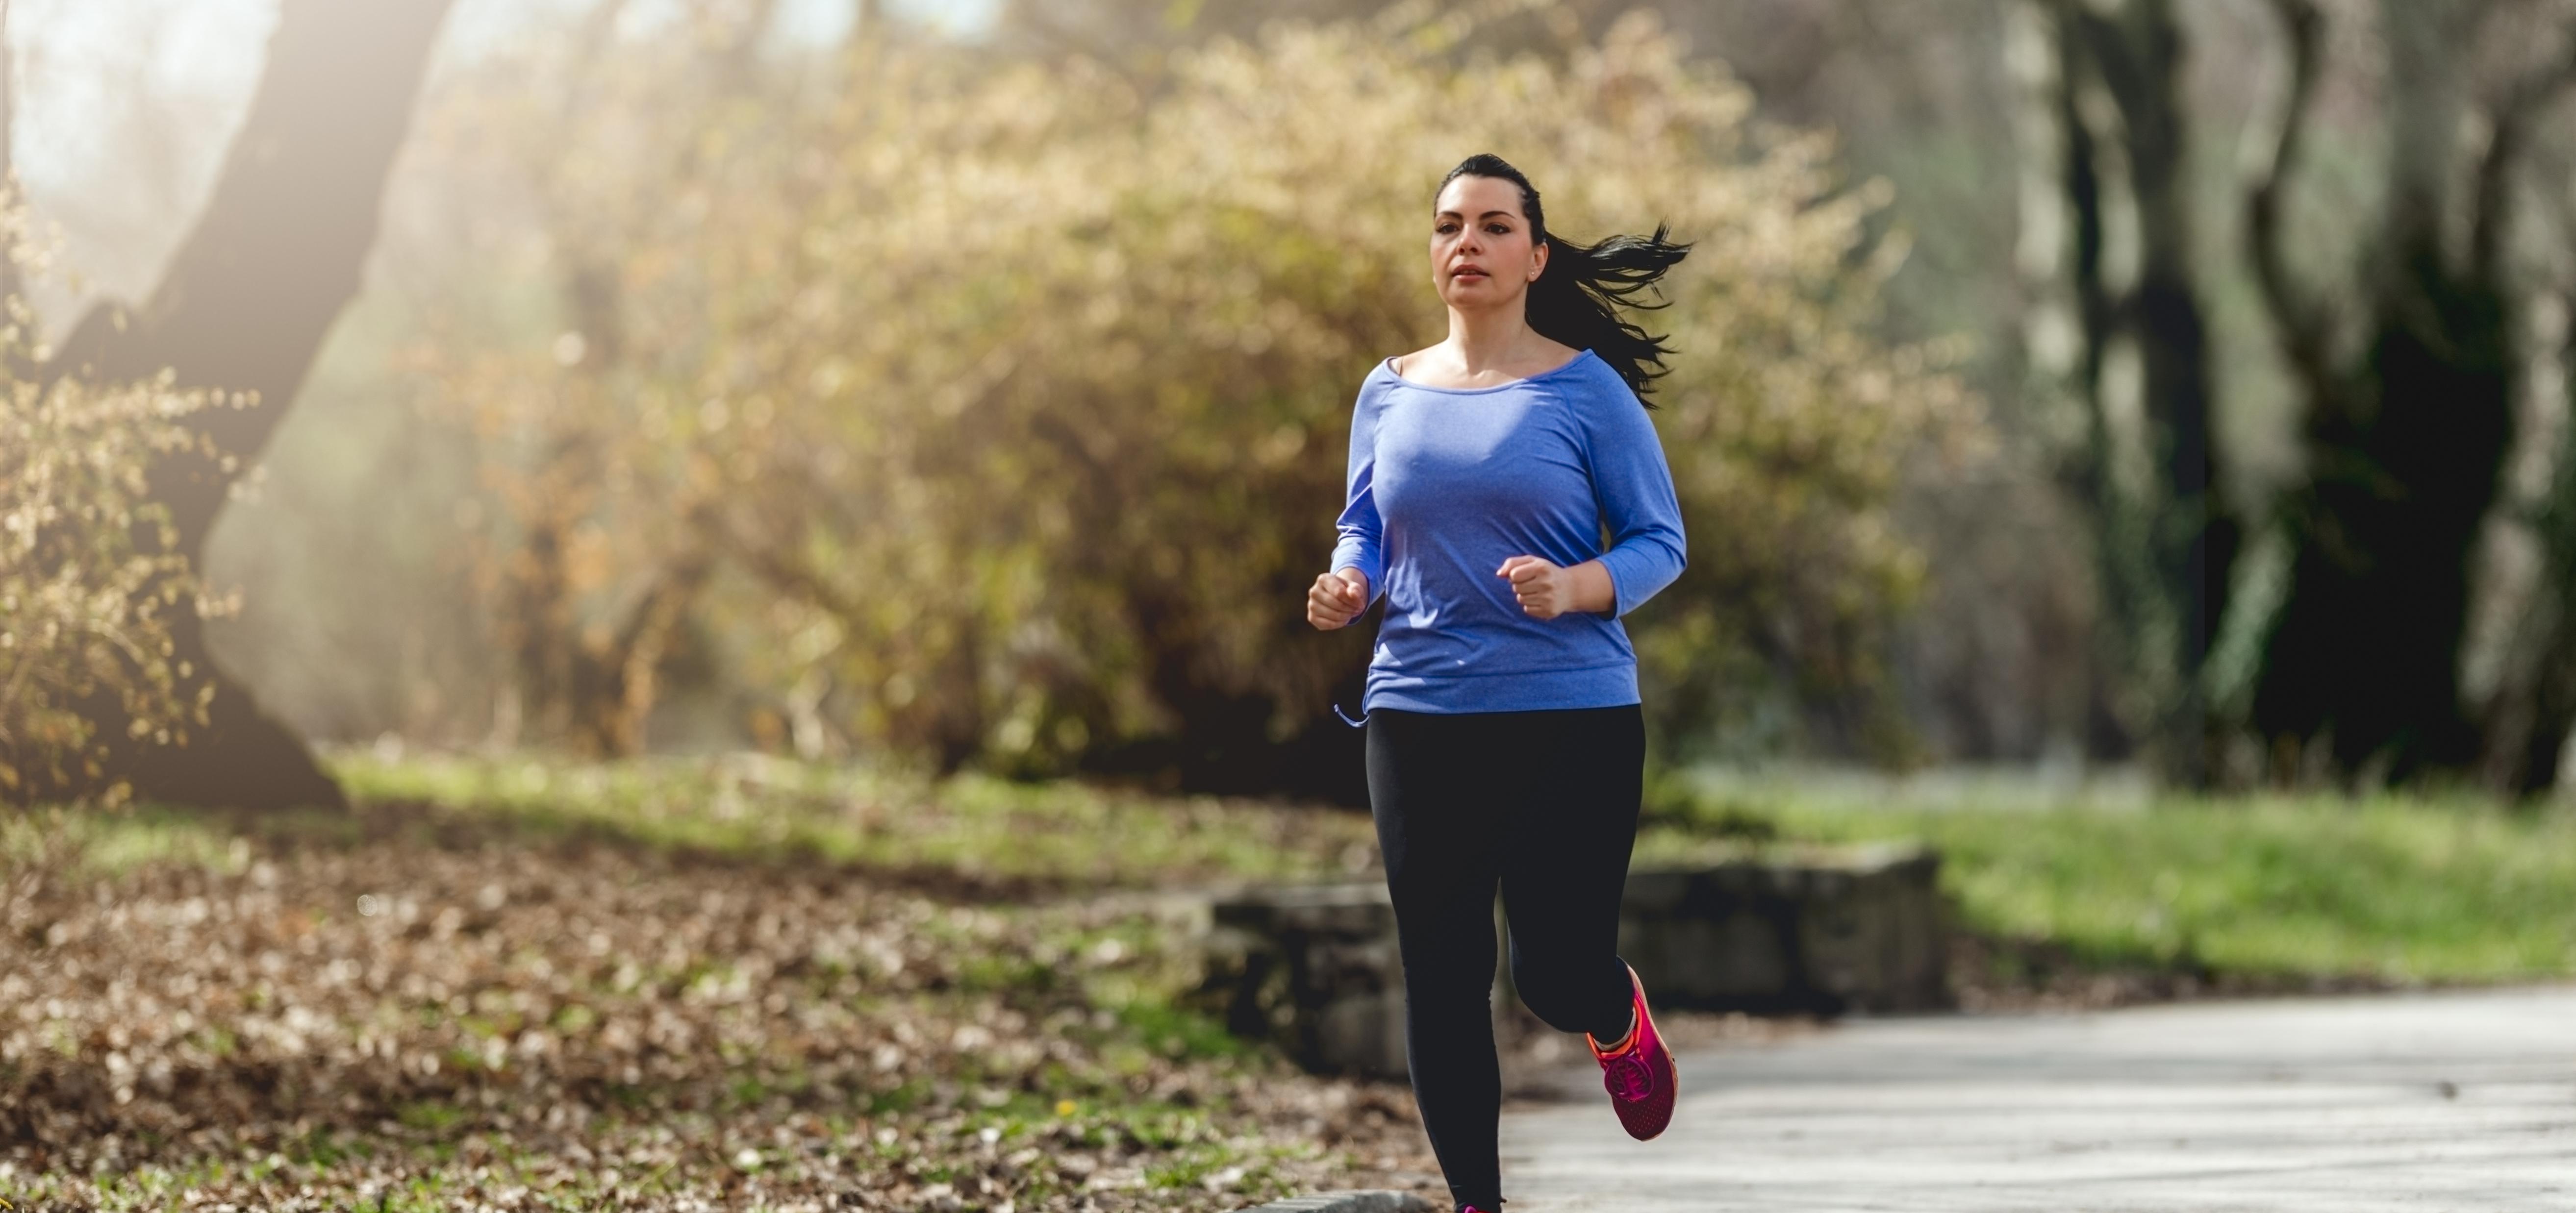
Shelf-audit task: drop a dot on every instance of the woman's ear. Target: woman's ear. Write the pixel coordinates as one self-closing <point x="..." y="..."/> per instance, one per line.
<point x="1538" y="253"/>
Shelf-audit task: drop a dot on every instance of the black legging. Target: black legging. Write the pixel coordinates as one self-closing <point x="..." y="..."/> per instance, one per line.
<point x="1546" y="803"/>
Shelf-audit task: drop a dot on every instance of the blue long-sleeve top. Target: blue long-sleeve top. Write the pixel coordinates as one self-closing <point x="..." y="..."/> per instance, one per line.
<point x="1445" y="484"/>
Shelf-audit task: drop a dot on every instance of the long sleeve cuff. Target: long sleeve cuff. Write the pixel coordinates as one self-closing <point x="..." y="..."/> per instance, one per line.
<point x="1639" y="569"/>
<point x="1355" y="552"/>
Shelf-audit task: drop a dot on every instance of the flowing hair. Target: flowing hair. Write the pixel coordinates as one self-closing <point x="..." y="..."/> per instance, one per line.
<point x="1576" y="300"/>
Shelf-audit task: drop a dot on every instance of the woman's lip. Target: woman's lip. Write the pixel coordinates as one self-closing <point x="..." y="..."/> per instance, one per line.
<point x="1467" y="272"/>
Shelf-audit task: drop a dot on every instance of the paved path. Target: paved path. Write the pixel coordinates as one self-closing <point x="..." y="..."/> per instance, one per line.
<point x="2416" y="1102"/>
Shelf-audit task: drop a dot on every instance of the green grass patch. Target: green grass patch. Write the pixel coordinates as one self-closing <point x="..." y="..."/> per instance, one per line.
<point x="2397" y="888"/>
<point x="1178" y="1032"/>
<point x="973" y="825"/>
<point x="1188" y="1167"/>
<point x="432" y="1116"/>
<point x="109" y="843"/>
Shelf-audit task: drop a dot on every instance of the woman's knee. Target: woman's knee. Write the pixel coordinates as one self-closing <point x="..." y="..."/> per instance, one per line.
<point x="1445" y="947"/>
<point x="1554" y="990"/>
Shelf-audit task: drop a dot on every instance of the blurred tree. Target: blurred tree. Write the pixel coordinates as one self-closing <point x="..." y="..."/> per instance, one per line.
<point x="2410" y="381"/>
<point x="2005" y="658"/>
<point x="242" y="307"/>
<point x="2528" y="717"/>
<point x="608" y="422"/>
<point x="589" y="636"/>
<point x="2106" y="79"/>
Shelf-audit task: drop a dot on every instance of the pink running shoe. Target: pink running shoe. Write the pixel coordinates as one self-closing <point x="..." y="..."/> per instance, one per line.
<point x="1640" y="1074"/>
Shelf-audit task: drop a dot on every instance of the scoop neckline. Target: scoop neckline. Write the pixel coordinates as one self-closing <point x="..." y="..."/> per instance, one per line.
<point x="1389" y="367"/>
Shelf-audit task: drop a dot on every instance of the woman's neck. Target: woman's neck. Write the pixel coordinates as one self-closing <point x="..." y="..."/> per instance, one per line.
<point x="1489" y="339"/>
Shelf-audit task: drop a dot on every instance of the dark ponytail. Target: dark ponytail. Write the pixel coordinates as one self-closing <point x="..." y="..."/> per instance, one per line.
<point x="1577" y="299"/>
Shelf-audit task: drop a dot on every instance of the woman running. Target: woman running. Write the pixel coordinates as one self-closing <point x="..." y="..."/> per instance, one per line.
<point x="1505" y="737"/>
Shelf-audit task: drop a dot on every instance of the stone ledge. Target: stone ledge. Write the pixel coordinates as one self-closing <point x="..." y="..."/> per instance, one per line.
<point x="1348" y="1202"/>
<point x="1315" y="968"/>
<point x="1835" y="930"/>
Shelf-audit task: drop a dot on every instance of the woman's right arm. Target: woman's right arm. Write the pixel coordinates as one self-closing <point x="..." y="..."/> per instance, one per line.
<point x="1361" y="546"/>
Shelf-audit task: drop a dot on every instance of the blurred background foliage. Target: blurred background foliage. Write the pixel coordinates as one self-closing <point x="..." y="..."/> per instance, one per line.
<point x="2169" y="382"/>
<point x="1004" y="431"/>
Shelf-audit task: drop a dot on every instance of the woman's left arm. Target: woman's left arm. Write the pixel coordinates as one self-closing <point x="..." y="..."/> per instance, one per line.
<point x="1634" y="487"/>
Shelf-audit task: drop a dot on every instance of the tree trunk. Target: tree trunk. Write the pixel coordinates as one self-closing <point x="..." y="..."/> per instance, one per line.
<point x="2408" y="436"/>
<point x="2164" y="538"/>
<point x="2528" y="721"/>
<point x="2407" y="454"/>
<point x="2194" y="536"/>
<point x="244" y="307"/>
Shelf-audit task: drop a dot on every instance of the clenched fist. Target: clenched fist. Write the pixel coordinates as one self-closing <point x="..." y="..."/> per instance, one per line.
<point x="1337" y="598"/>
<point x="1546" y="590"/>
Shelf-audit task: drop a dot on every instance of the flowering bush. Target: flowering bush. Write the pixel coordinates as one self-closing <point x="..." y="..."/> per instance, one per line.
<point x="89" y="587"/>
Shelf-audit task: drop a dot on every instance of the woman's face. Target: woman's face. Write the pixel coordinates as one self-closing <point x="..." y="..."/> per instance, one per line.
<point x="1481" y="252"/>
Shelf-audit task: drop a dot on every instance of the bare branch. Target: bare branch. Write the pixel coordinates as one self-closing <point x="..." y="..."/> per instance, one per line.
<point x="2115" y="61"/>
<point x="2525" y="101"/>
<point x="2301" y="322"/>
